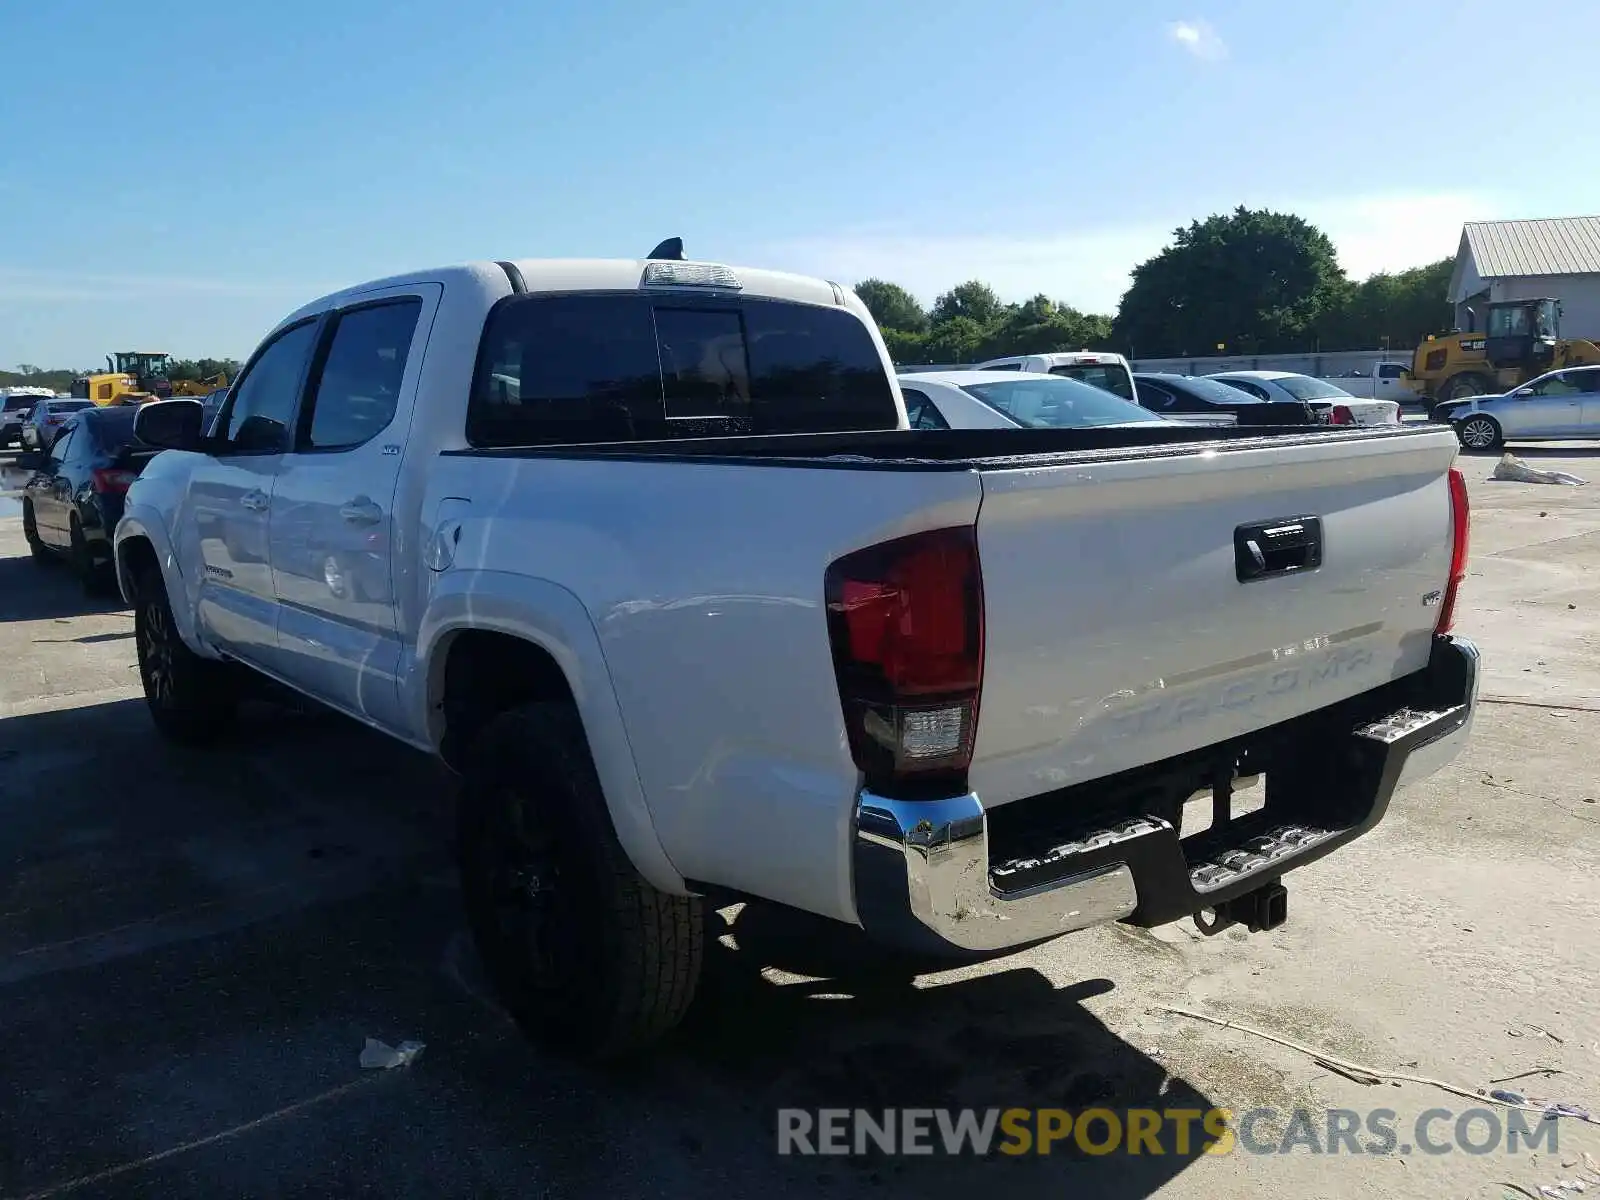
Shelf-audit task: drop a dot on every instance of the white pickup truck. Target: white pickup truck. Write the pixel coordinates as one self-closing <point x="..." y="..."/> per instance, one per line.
<point x="646" y="552"/>
<point x="1383" y="381"/>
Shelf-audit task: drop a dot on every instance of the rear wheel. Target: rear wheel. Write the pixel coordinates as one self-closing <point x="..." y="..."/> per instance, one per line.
<point x="97" y="578"/>
<point x="1480" y="433"/>
<point x="588" y="956"/>
<point x="192" y="700"/>
<point x="30" y="534"/>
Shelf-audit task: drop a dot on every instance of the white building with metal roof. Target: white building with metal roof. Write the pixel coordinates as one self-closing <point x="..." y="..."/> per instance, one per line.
<point x="1524" y="260"/>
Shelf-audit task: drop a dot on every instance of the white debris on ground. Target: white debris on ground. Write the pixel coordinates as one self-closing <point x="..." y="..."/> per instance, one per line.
<point x="380" y="1056"/>
<point x="1512" y="468"/>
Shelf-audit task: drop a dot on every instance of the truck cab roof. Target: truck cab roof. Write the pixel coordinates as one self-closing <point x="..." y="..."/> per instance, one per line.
<point x="594" y="275"/>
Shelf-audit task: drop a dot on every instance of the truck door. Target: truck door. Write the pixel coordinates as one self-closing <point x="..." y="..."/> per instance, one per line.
<point x="230" y="499"/>
<point x="1388" y="383"/>
<point x="333" y="531"/>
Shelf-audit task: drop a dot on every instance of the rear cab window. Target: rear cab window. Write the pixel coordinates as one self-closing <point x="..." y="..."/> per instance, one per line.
<point x="1108" y="377"/>
<point x="599" y="367"/>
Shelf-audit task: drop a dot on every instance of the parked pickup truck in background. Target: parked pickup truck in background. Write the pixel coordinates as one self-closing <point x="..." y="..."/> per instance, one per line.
<point x="1383" y="381"/>
<point x="1100" y="368"/>
<point x="649" y="556"/>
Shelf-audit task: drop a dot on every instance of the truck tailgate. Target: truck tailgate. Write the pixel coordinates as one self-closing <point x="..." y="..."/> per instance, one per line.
<point x="1119" y="630"/>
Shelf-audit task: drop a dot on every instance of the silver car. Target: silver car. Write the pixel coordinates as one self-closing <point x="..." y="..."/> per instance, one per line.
<point x="1562" y="404"/>
<point x="44" y="421"/>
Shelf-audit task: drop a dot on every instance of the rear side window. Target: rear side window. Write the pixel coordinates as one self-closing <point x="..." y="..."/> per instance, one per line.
<point x="596" y="367"/>
<point x="921" y="412"/>
<point x="1250" y="389"/>
<point x="1153" y="397"/>
<point x="359" y="385"/>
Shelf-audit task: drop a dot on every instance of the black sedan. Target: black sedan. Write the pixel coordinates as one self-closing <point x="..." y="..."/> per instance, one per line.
<point x="73" y="501"/>
<point x="1174" y="395"/>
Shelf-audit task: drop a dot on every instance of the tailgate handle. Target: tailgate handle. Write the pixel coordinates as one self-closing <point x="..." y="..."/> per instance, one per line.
<point x="1264" y="549"/>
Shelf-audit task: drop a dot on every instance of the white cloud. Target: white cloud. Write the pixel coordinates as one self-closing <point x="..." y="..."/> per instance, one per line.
<point x="1199" y="39"/>
<point x="1090" y="268"/>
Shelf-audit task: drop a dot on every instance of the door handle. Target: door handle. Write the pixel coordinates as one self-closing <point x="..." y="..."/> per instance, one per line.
<point x="1282" y="547"/>
<point x="361" y="511"/>
<point x="254" y="501"/>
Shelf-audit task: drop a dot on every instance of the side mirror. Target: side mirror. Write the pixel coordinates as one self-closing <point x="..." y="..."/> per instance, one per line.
<point x="170" y="424"/>
<point x="1522" y="393"/>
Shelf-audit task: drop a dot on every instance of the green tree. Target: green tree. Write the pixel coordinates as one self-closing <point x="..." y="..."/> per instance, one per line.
<point x="1041" y="326"/>
<point x="973" y="300"/>
<point x="905" y="347"/>
<point x="195" y="369"/>
<point x="891" y="306"/>
<point x="1253" y="281"/>
<point x="956" y="339"/>
<point x="1396" y="310"/>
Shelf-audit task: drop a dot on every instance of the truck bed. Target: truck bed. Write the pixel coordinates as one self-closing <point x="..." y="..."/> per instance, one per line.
<point x="955" y="449"/>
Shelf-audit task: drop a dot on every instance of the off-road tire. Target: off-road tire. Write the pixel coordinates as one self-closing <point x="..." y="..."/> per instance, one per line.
<point x="589" y="957"/>
<point x="192" y="700"/>
<point x="1490" y="439"/>
<point x="30" y="534"/>
<point x="1465" y="384"/>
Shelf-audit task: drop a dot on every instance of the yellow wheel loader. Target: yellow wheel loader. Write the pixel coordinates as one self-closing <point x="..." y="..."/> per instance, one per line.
<point x="1520" y="340"/>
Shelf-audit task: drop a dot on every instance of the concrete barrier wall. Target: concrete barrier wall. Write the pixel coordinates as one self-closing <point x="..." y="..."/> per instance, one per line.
<point x="1327" y="365"/>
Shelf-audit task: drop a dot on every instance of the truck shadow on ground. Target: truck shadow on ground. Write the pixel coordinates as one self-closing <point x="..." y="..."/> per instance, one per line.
<point x="799" y="1013"/>
<point x="231" y="923"/>
<point x="34" y="591"/>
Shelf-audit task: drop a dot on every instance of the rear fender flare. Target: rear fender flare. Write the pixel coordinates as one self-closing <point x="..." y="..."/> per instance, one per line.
<point x="554" y="619"/>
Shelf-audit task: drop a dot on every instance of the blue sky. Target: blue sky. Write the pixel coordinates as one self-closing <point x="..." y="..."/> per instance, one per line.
<point x="248" y="157"/>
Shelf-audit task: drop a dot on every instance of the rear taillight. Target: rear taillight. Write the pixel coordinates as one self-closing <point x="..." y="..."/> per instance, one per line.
<point x="1341" y="415"/>
<point x="110" y="479"/>
<point x="905" y="619"/>
<point x="1460" y="529"/>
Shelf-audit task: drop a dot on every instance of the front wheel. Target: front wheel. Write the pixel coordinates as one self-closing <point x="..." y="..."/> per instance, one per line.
<point x="1465" y="386"/>
<point x="1480" y="433"/>
<point x="192" y="700"/>
<point x="588" y="956"/>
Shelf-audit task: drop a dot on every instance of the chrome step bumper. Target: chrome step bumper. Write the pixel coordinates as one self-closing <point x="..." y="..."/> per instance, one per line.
<point x="924" y="879"/>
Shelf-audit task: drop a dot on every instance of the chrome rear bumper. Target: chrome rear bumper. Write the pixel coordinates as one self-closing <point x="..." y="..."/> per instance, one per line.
<point x="924" y="879"/>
